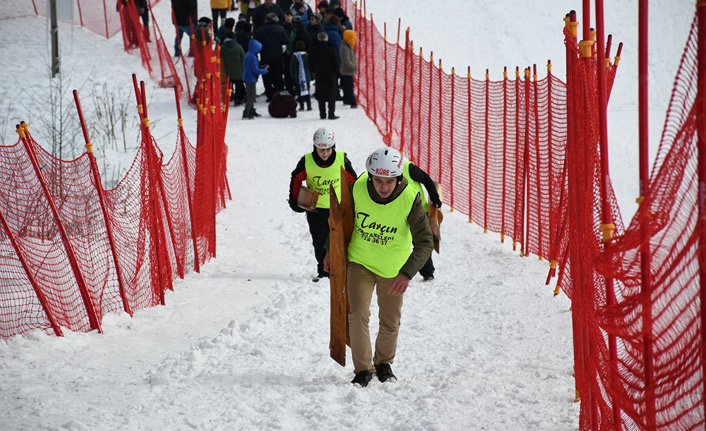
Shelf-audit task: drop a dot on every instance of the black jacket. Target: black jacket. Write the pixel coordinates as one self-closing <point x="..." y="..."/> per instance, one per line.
<point x="272" y="37"/>
<point x="323" y="63"/>
<point x="183" y="10"/>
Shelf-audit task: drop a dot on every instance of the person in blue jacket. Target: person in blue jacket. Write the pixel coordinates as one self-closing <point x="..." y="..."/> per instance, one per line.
<point x="251" y="71"/>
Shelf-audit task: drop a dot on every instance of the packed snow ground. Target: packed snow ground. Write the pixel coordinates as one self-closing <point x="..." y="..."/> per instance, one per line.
<point x="244" y="344"/>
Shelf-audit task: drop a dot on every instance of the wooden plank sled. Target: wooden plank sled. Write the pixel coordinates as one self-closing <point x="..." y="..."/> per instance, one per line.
<point x="341" y="229"/>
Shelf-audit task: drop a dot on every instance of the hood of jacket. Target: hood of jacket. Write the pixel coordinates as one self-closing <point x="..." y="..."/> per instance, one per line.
<point x="254" y="46"/>
<point x="349" y="36"/>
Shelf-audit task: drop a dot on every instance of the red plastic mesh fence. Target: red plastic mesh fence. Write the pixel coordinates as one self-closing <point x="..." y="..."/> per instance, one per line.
<point x="72" y="252"/>
<point x="522" y="157"/>
<point x="487" y="142"/>
<point x="99" y="16"/>
<point x="658" y="380"/>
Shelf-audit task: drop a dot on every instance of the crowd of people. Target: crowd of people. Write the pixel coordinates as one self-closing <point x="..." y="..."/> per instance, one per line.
<point x="294" y="47"/>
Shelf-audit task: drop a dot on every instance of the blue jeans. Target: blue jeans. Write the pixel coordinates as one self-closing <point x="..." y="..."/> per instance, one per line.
<point x="181" y="29"/>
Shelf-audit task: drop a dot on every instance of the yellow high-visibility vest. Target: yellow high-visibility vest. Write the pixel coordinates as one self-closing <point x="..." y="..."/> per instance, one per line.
<point x="382" y="240"/>
<point x="319" y="179"/>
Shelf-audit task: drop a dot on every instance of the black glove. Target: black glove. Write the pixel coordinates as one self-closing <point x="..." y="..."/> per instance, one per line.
<point x="296" y="208"/>
<point x="434" y="198"/>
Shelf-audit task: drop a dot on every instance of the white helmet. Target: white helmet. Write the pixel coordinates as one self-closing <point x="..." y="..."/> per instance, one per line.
<point x="385" y="162"/>
<point x="323" y="138"/>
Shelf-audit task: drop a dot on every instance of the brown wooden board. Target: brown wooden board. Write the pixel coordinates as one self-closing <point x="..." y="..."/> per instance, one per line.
<point x="435" y="219"/>
<point x="340" y="228"/>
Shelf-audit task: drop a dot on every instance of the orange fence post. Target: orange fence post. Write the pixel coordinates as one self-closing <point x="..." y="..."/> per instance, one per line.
<point x="517" y="214"/>
<point x="101" y="199"/>
<point x="538" y="178"/>
<point x="407" y="78"/>
<point x="431" y="91"/>
<point x="440" y="154"/>
<point x="486" y="144"/>
<point x="189" y="193"/>
<point x="451" y="140"/>
<point x="525" y="175"/>
<point x="470" y="146"/>
<point x="68" y="247"/>
<point x="372" y="63"/>
<point x="418" y="127"/>
<point x="502" y="212"/>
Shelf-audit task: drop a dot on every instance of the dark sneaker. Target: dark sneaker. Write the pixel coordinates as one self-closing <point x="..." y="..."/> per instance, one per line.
<point x="323" y="274"/>
<point x="333" y="117"/>
<point x="362" y="378"/>
<point x="384" y="373"/>
<point x="428" y="277"/>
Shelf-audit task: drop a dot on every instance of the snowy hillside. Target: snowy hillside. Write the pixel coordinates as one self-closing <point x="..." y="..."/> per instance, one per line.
<point x="244" y="344"/>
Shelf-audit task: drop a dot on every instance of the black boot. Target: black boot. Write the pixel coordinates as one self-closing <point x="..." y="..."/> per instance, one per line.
<point x="384" y="373"/>
<point x="254" y="113"/>
<point x="362" y="378"/>
<point x="247" y="115"/>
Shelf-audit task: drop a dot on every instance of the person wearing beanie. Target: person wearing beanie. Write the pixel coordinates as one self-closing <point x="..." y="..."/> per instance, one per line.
<point x="349" y="68"/>
<point x="322" y="7"/>
<point x="319" y="169"/>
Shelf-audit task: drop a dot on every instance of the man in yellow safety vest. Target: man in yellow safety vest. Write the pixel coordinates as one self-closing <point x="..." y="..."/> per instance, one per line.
<point x="391" y="241"/>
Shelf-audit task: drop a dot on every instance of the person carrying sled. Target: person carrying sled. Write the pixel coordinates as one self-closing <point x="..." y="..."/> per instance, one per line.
<point x="417" y="178"/>
<point x="391" y="240"/>
<point x="319" y="169"/>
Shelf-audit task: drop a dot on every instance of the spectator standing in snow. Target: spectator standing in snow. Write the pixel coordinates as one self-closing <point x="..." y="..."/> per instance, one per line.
<point x="349" y="68"/>
<point x="273" y="40"/>
<point x="251" y="70"/>
<point x="299" y="71"/>
<point x="319" y="169"/>
<point x="324" y="66"/>
<point x="219" y="8"/>
<point x="243" y="33"/>
<point x="232" y="57"/>
<point x="185" y="16"/>
<point x="388" y="220"/>
<point x="417" y="178"/>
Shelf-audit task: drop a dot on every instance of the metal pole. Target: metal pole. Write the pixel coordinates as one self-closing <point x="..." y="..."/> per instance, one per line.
<point x="55" y="60"/>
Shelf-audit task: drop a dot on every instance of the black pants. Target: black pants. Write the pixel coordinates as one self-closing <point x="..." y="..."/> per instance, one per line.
<point x="331" y="107"/>
<point x="215" y="13"/>
<point x="347" y="83"/>
<point x="428" y="268"/>
<point x="239" y="93"/>
<point x="273" y="79"/>
<point x="318" y="227"/>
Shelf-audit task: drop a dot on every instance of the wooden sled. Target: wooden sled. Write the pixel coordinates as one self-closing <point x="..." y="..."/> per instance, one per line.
<point x="307" y="199"/>
<point x="435" y="218"/>
<point x="341" y="229"/>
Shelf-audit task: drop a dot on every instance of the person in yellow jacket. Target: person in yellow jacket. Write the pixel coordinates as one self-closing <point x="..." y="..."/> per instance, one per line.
<point x="219" y="8"/>
<point x="318" y="169"/>
<point x="391" y="240"/>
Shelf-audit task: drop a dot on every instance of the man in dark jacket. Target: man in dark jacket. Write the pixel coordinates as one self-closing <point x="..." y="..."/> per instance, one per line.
<point x="261" y="12"/>
<point x="185" y="15"/>
<point x="323" y="62"/>
<point x="232" y="56"/>
<point x="273" y="39"/>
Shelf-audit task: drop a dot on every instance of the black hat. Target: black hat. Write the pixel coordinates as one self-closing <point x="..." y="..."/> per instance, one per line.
<point x="323" y="3"/>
